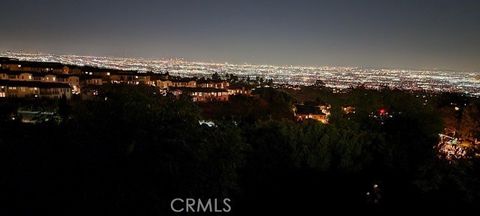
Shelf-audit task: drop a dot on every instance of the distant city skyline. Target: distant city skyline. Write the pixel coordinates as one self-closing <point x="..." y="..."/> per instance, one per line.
<point x="430" y="34"/>
<point x="333" y="77"/>
<point x="34" y="56"/>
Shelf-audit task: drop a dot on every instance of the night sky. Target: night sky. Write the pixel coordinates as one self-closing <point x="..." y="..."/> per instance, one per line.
<point x="407" y="34"/>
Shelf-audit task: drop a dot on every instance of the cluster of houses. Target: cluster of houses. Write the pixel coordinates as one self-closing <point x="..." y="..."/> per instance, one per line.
<point x="32" y="79"/>
<point x="56" y="80"/>
<point x="320" y="112"/>
<point x="452" y="146"/>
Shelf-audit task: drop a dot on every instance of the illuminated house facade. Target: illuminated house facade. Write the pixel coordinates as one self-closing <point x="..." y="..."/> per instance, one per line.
<point x="207" y="83"/>
<point x="20" y="88"/>
<point x="90" y="78"/>
<point x="317" y="113"/>
<point x="239" y="90"/>
<point x="72" y="80"/>
<point x="202" y="94"/>
<point x="176" y="83"/>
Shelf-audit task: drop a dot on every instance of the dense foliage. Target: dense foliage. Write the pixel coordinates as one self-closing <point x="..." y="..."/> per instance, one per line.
<point x="132" y="151"/>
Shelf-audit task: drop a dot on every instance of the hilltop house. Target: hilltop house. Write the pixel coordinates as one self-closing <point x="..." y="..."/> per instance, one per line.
<point x="20" y="88"/>
<point x="304" y="112"/>
<point x="202" y="94"/>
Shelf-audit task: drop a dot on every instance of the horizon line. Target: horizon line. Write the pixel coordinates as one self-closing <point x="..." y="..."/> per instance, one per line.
<point x="224" y="63"/>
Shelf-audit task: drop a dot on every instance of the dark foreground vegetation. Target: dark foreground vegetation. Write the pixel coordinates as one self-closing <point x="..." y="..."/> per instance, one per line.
<point x="132" y="151"/>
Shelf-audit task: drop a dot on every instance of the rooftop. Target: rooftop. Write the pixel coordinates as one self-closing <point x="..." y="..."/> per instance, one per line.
<point x="186" y="89"/>
<point x="38" y="84"/>
<point x="35" y="73"/>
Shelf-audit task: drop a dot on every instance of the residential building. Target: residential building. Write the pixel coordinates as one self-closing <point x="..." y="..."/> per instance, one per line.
<point x="20" y="88"/>
<point x="209" y="83"/>
<point x="239" y="90"/>
<point x="202" y="94"/>
<point x="305" y="112"/>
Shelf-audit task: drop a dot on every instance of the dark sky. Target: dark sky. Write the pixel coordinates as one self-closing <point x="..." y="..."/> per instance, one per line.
<point x="400" y="33"/>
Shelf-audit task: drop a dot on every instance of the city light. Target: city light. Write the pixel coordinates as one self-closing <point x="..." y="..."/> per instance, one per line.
<point x="332" y="76"/>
